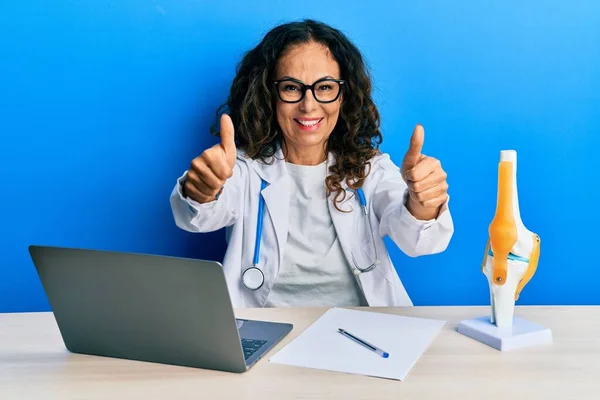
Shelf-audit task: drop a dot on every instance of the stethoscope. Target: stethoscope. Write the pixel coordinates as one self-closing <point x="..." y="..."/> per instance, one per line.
<point x="253" y="278"/>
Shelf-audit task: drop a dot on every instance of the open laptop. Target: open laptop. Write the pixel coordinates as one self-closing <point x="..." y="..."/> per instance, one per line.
<point x="150" y="308"/>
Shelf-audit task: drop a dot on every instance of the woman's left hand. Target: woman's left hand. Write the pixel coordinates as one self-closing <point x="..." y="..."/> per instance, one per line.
<point x="426" y="180"/>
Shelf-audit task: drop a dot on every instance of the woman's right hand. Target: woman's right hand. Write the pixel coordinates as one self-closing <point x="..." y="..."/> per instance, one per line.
<point x="209" y="171"/>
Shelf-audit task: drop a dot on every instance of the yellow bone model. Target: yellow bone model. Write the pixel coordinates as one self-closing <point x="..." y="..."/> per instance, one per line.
<point x="503" y="229"/>
<point x="512" y="251"/>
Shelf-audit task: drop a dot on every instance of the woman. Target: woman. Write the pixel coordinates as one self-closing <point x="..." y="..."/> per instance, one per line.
<point x="298" y="152"/>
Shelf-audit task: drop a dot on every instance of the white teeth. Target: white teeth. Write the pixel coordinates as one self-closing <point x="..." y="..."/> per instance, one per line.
<point x="309" y="123"/>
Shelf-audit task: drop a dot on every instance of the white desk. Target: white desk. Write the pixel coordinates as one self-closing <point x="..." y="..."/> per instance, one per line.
<point x="34" y="364"/>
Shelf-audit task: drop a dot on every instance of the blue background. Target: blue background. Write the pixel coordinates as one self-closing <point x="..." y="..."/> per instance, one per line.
<point x="104" y="104"/>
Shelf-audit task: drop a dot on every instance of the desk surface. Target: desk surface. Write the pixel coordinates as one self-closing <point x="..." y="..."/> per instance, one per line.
<point x="35" y="364"/>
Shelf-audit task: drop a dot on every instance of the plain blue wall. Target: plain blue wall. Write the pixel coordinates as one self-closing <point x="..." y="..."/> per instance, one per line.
<point x="104" y="104"/>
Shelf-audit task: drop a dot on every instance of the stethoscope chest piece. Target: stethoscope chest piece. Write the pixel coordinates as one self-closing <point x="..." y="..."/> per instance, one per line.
<point x="253" y="278"/>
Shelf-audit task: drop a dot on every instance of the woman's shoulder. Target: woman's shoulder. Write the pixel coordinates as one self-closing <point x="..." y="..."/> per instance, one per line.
<point x="244" y="158"/>
<point x="275" y="157"/>
<point x="382" y="161"/>
<point x="242" y="155"/>
<point x="246" y="162"/>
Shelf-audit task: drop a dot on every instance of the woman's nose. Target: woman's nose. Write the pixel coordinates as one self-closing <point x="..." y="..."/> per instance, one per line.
<point x="308" y="103"/>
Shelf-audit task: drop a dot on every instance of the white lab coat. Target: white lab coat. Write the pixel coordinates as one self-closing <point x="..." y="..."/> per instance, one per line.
<point x="237" y="209"/>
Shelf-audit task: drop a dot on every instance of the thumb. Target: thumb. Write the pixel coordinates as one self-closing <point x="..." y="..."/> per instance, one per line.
<point x="228" y="138"/>
<point x="413" y="154"/>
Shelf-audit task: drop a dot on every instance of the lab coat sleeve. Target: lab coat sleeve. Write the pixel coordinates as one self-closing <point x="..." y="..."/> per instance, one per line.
<point x="414" y="237"/>
<point x="192" y="216"/>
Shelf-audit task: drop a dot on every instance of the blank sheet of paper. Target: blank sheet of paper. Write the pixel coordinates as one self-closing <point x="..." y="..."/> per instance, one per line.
<point x="321" y="346"/>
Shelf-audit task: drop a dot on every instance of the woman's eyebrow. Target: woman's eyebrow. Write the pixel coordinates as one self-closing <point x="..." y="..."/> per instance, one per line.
<point x="291" y="77"/>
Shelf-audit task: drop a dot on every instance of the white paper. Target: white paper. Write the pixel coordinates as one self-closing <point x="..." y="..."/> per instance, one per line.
<point x="321" y="346"/>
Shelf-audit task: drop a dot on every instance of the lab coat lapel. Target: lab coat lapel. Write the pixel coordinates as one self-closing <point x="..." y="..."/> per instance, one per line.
<point x="374" y="284"/>
<point x="275" y="195"/>
<point x="343" y="221"/>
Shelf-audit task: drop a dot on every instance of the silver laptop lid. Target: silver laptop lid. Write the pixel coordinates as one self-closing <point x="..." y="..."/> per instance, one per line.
<point x="141" y="307"/>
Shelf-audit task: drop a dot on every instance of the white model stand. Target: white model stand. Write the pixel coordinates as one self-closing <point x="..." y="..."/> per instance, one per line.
<point x="510" y="260"/>
<point x="521" y="334"/>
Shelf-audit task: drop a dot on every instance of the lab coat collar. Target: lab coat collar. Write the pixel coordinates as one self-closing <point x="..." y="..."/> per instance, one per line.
<point x="275" y="173"/>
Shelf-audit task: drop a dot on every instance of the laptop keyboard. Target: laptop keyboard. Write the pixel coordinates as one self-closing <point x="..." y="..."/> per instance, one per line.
<point x="250" y="346"/>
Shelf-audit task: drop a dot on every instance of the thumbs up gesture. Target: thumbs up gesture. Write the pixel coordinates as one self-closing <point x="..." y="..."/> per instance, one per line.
<point x="209" y="171"/>
<point x="426" y="180"/>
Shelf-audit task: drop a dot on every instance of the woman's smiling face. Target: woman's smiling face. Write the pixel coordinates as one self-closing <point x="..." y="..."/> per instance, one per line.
<point x="308" y="124"/>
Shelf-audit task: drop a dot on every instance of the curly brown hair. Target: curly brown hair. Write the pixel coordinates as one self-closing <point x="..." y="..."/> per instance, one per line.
<point x="251" y="103"/>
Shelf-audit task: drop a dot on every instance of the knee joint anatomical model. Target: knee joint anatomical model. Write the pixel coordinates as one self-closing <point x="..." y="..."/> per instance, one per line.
<point x="512" y="251"/>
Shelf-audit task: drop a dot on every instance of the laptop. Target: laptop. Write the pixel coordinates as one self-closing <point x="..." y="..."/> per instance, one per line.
<point x="150" y="308"/>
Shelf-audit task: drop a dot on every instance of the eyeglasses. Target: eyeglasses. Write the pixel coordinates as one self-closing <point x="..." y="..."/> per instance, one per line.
<point x="325" y="90"/>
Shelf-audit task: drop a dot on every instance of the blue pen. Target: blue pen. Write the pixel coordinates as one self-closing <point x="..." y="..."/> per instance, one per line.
<point x="369" y="346"/>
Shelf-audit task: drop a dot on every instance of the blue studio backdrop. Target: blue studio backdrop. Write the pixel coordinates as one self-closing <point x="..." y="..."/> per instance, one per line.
<point x="104" y="104"/>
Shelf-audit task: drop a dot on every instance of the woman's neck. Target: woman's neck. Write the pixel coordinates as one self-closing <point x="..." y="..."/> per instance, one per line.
<point x="314" y="155"/>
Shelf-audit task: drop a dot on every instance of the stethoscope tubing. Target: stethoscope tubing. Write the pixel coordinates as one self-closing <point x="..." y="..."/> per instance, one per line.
<point x="246" y="276"/>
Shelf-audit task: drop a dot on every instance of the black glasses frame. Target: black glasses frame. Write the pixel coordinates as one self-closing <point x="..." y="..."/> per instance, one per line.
<point x="305" y="87"/>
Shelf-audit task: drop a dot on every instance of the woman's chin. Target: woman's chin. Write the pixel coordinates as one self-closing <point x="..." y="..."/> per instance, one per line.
<point x="311" y="140"/>
<point x="306" y="138"/>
